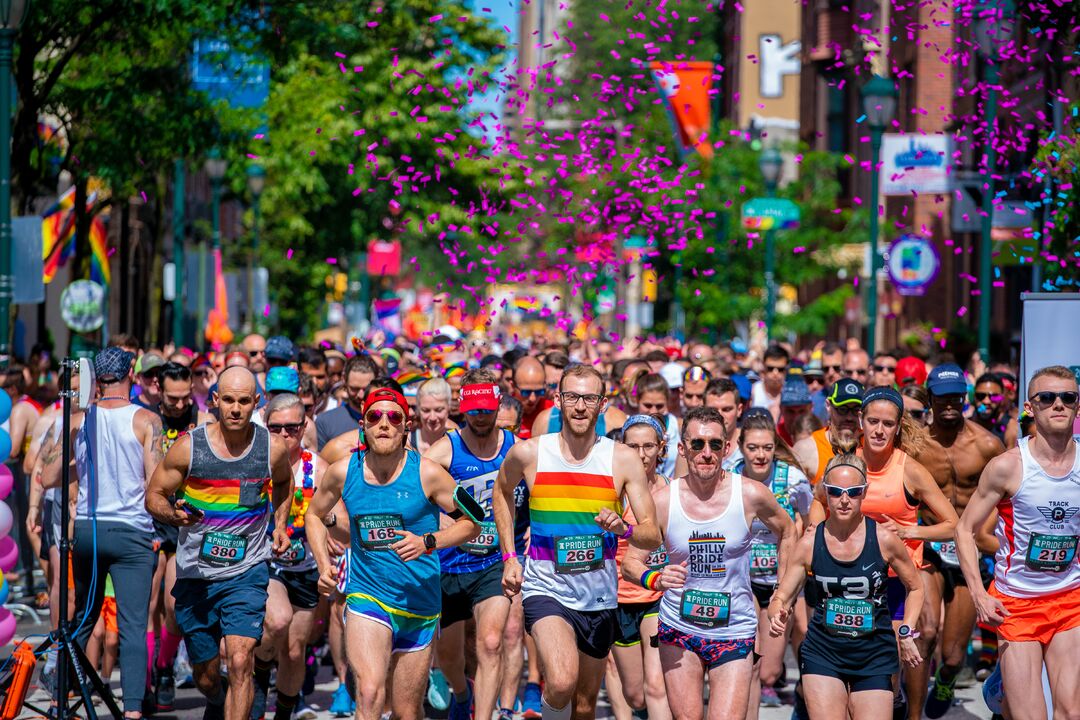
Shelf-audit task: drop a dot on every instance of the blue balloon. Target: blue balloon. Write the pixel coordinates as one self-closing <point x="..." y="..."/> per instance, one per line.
<point x="5" y="443"/>
<point x="5" y="590"/>
<point x="5" y="407"/>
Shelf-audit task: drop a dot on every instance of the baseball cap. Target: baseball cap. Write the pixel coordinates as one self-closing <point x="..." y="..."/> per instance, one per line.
<point x="479" y="396"/>
<point x="738" y="346"/>
<point x="845" y="391"/>
<point x="742" y="383"/>
<point x="947" y="379"/>
<point x="380" y="394"/>
<point x="280" y="347"/>
<point x="282" y="379"/>
<point x="147" y="362"/>
<point x="910" y="371"/>
<point x="795" y="392"/>
<point x="112" y="363"/>
<point x="672" y="374"/>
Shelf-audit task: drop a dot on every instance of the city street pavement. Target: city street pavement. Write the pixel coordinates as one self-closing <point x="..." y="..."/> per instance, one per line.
<point x="189" y="704"/>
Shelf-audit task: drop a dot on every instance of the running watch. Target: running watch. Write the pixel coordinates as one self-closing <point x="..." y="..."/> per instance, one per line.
<point x="429" y="543"/>
<point x="903" y="631"/>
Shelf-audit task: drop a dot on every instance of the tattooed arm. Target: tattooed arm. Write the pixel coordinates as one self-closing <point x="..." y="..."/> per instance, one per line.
<point x="149" y="429"/>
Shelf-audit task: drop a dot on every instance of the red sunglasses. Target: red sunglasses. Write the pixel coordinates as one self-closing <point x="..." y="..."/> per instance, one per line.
<point x="395" y="417"/>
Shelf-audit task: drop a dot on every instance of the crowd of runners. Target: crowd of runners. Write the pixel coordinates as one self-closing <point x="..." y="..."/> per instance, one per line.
<point x="487" y="529"/>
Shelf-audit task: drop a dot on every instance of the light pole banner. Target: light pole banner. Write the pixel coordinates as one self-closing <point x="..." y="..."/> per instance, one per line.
<point x="1042" y="341"/>
<point x="917" y="164"/>
<point x="686" y="85"/>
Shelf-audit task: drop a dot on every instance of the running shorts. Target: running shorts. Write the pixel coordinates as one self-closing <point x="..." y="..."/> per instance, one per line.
<point x="108" y="614"/>
<point x="1038" y="619"/>
<point x="462" y="592"/>
<point x="302" y="586"/>
<point x="712" y="653"/>
<point x="207" y="610"/>
<point x="594" y="629"/>
<point x="409" y="632"/>
<point x="630" y="616"/>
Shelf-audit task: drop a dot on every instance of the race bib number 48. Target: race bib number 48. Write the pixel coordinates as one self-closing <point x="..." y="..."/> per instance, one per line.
<point x="378" y="531"/>
<point x="849" y="618"/>
<point x="485" y="543"/>
<point x="704" y="609"/>
<point x="1051" y="553"/>
<point x="222" y="549"/>
<point x="579" y="554"/>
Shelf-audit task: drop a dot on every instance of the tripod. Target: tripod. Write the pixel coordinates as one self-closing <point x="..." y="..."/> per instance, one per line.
<point x="70" y="657"/>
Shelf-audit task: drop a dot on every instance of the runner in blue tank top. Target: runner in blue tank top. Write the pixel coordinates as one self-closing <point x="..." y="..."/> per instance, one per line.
<point x="393" y="498"/>
<point x="472" y="573"/>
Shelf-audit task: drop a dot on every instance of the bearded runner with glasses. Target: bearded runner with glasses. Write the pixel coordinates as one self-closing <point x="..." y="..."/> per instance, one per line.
<point x="841" y="435"/>
<point x="1034" y="601"/>
<point x="570" y="581"/>
<point x="393" y="498"/>
<point x="708" y="624"/>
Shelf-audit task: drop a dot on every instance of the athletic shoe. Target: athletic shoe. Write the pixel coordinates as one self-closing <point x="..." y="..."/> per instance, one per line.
<point x="505" y="714"/>
<point x="304" y="711"/>
<point x="769" y="698"/>
<point x="165" y="689"/>
<point x="993" y="692"/>
<point x="438" y="691"/>
<point x="182" y="669"/>
<point x="941" y="697"/>
<point x="461" y="710"/>
<point x="341" y="705"/>
<point x="531" y="702"/>
<point x="983" y="670"/>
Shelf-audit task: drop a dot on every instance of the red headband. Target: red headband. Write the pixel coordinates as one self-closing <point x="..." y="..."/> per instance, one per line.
<point x="388" y="395"/>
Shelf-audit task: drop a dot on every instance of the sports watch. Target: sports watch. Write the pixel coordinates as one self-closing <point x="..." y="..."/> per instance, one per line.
<point x="429" y="543"/>
<point x="903" y="631"/>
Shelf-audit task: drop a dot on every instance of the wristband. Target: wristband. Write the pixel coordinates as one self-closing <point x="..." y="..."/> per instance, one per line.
<point x="508" y="555"/>
<point x="629" y="532"/>
<point x="650" y="579"/>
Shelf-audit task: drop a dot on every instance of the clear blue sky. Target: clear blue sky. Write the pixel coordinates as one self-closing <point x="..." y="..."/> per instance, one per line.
<point x="503" y="13"/>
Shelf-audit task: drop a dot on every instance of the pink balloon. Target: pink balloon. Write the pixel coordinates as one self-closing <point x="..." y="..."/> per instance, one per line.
<point x="7" y="480"/>
<point x="7" y="626"/>
<point x="9" y="554"/>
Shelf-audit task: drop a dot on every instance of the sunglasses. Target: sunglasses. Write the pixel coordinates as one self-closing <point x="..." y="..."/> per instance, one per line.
<point x="775" y="368"/>
<point x="698" y="444"/>
<point x="992" y="397"/>
<point x="538" y="392"/>
<point x="394" y="417"/>
<point x="847" y="410"/>
<point x="885" y="368"/>
<point x="474" y="413"/>
<point x="832" y="368"/>
<point x="290" y="428"/>
<point x="256" y="353"/>
<point x="1047" y="398"/>
<point x="835" y="491"/>
<point x="916" y="414"/>
<point x="857" y="371"/>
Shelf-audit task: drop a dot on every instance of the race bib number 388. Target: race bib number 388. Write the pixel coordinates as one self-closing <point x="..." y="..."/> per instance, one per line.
<point x="1051" y="553"/>
<point x="222" y="549"/>
<point x="576" y="554"/>
<point x="377" y="531"/>
<point x="849" y="618"/>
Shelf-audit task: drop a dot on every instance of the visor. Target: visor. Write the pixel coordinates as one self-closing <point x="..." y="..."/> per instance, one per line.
<point x="482" y="396"/>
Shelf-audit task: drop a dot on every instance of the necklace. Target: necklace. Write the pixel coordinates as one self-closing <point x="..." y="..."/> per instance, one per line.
<point x="302" y="496"/>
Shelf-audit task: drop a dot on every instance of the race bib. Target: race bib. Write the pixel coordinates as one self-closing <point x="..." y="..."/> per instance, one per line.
<point x="703" y="609"/>
<point x="485" y="543"/>
<point x="763" y="559"/>
<point x="576" y="554"/>
<point x="296" y="553"/>
<point x="657" y="559"/>
<point x="378" y="531"/>
<point x="947" y="552"/>
<point x="222" y="549"/>
<point x="1051" y="553"/>
<point x="849" y="618"/>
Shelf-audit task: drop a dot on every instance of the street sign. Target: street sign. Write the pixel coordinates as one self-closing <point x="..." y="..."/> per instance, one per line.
<point x="225" y="73"/>
<point x="82" y="306"/>
<point x="770" y="214"/>
<point x="913" y="263"/>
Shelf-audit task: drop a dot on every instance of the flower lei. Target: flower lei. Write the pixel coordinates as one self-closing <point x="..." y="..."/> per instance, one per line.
<point x="171" y="436"/>
<point x="302" y="496"/>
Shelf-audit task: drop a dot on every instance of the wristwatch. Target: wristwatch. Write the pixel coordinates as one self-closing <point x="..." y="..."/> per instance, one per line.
<point x="429" y="543"/>
<point x="903" y="631"/>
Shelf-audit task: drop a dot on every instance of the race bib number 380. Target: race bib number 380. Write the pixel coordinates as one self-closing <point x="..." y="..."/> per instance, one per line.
<point x="704" y="609"/>
<point x="576" y="554"/>
<point x="377" y="531"/>
<point x="1051" y="553"/>
<point x="849" y="618"/>
<point x="222" y="549"/>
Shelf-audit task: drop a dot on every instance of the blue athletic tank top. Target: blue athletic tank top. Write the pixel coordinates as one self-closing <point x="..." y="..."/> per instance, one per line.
<point x="555" y="422"/>
<point x="375" y="512"/>
<point x="477" y="476"/>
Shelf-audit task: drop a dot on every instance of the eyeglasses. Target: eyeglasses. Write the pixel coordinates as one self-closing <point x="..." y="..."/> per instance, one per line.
<point x="916" y="414"/>
<point x="835" y="491"/>
<point x="536" y="392"/>
<point x="394" y="417"/>
<point x="885" y="368"/>
<point x="1047" y="398"/>
<point x="474" y="413"/>
<point x="570" y="399"/>
<point x="698" y="444"/>
<point x="647" y="447"/>
<point x="288" y="428"/>
<point x="847" y="410"/>
<point x="992" y="397"/>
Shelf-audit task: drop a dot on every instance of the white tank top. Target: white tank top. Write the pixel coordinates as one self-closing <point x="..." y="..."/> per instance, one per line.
<point x="1037" y="530"/>
<point x="716" y="602"/>
<point x="570" y="558"/>
<point x="119" y="472"/>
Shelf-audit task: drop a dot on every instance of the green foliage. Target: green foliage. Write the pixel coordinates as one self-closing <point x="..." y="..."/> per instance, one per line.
<point x="1060" y="158"/>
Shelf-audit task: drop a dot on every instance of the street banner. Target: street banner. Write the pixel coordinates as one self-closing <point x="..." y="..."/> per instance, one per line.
<point x="913" y="264"/>
<point x="1042" y="340"/>
<point x="218" y="332"/>
<point x="58" y="239"/>
<point x="915" y="164"/>
<point x="686" y="86"/>
<point x="384" y="258"/>
<point x="770" y="214"/>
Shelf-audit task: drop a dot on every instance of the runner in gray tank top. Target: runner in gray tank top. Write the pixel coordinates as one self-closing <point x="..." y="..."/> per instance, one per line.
<point x="228" y="477"/>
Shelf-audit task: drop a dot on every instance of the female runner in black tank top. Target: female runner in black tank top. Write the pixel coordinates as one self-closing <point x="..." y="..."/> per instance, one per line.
<point x="850" y="650"/>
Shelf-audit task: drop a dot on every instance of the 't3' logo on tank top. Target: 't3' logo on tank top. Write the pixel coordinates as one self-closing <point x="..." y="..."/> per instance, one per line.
<point x="707" y="555"/>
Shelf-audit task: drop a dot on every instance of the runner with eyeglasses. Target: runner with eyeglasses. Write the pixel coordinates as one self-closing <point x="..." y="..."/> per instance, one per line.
<point x="393" y="498"/>
<point x="570" y="582"/>
<point x="840" y="435"/>
<point x="955" y="454"/>
<point x="293" y="590"/>
<point x="1034" y="600"/>
<point x="707" y="623"/>
<point x="472" y="573"/>
<point x="849" y="655"/>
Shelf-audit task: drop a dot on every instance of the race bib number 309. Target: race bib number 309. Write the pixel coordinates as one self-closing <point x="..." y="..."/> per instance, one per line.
<point x="378" y="531"/>
<point x="485" y="543"/>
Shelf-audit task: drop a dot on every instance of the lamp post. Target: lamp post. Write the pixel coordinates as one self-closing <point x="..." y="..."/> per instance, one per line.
<point x="256" y="181"/>
<point x="771" y="165"/>
<point x="879" y="104"/>
<point x="992" y="26"/>
<point x="178" y="252"/>
<point x="215" y="167"/>
<point x="12" y="13"/>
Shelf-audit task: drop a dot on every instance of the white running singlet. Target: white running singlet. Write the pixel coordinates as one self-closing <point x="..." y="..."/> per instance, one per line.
<point x="1037" y="529"/>
<point x="119" y="472"/>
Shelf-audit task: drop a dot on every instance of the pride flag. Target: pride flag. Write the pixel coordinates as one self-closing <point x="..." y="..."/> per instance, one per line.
<point x="58" y="239"/>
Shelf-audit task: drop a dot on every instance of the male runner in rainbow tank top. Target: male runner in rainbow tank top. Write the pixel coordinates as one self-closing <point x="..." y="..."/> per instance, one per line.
<point x="570" y="581"/>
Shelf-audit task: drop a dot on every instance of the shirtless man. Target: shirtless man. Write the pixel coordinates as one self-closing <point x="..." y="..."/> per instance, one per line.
<point x="955" y="455"/>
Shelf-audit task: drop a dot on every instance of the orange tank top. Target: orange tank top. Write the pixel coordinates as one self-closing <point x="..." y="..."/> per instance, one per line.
<point x="632" y="592"/>
<point x="886" y="498"/>
<point x="824" y="453"/>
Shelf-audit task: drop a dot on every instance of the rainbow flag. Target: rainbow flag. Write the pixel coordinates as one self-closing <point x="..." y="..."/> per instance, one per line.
<point x="58" y="239"/>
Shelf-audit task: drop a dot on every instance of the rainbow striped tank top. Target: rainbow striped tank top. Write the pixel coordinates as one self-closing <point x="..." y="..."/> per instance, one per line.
<point x="570" y="558"/>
